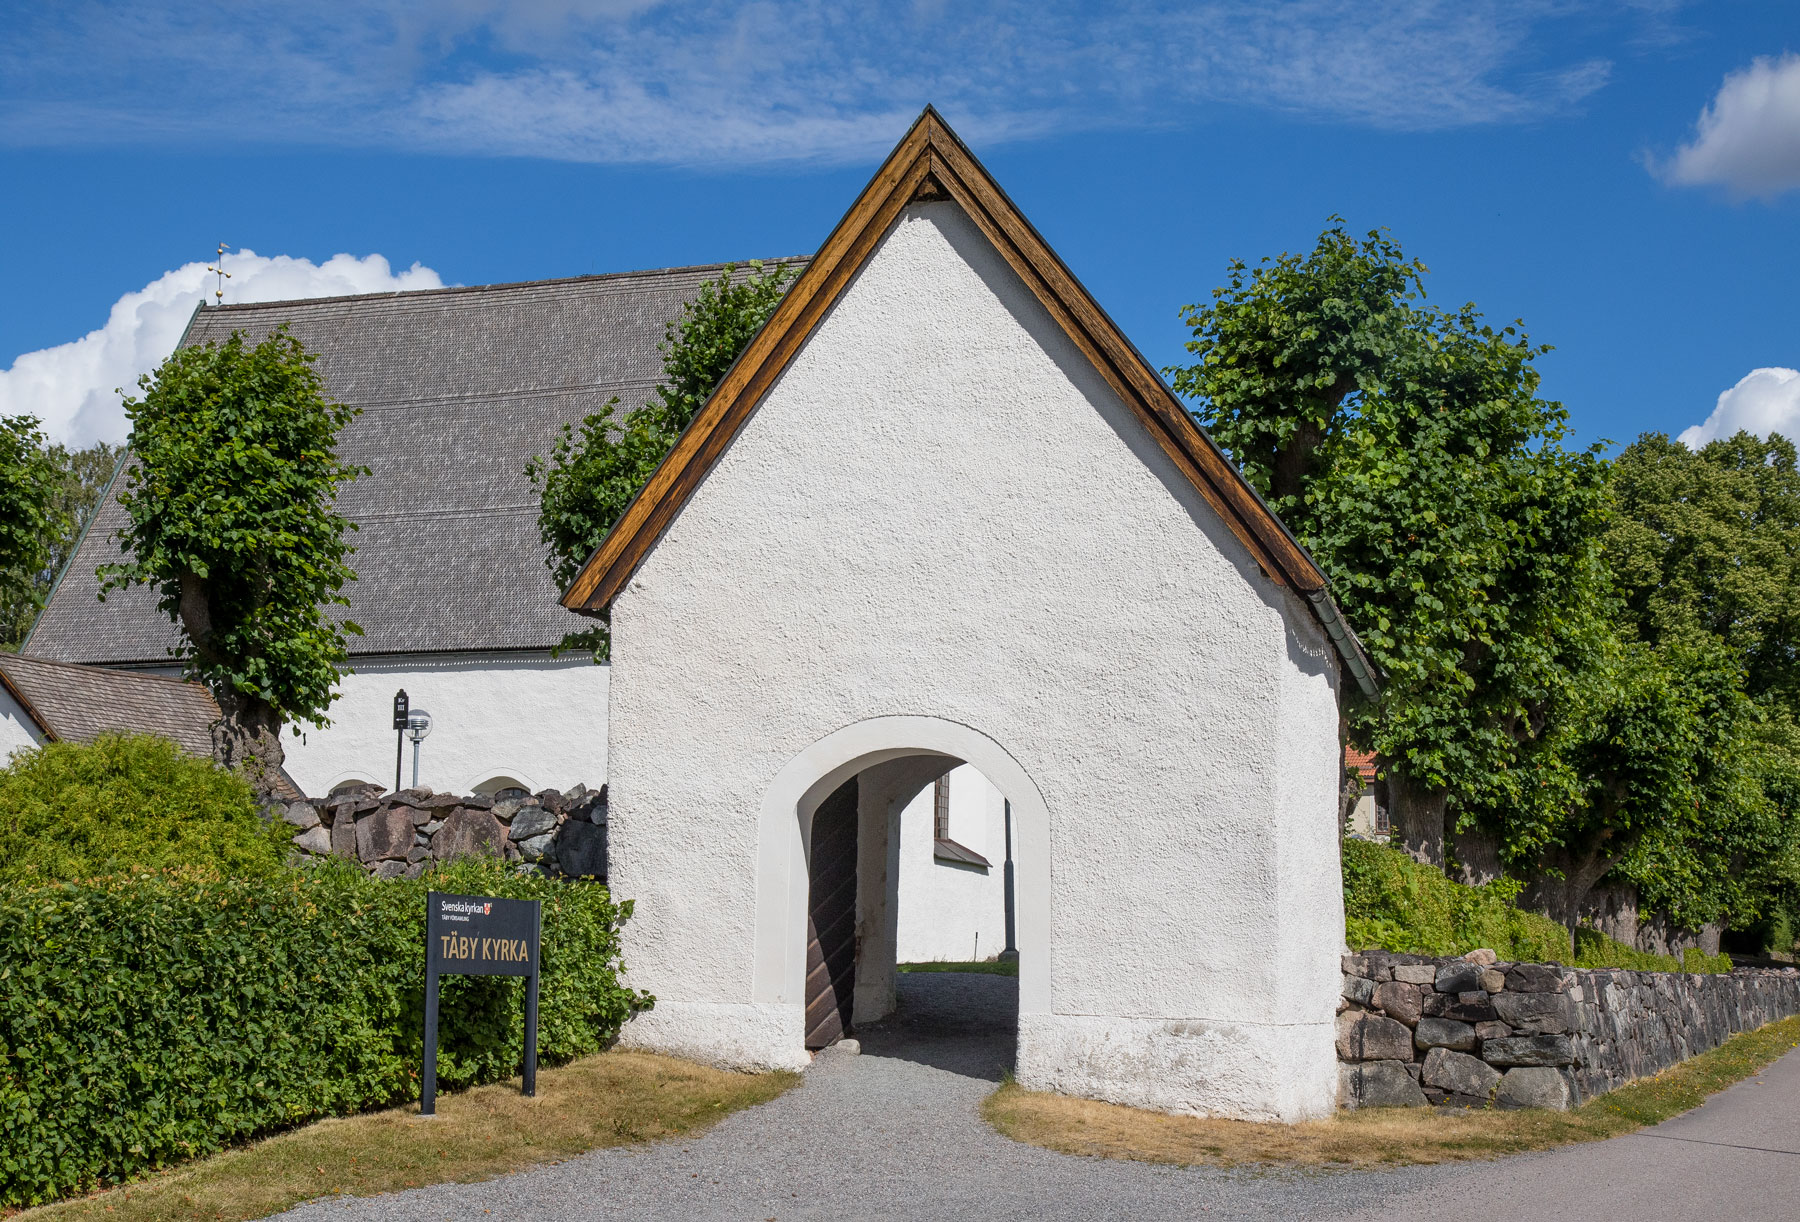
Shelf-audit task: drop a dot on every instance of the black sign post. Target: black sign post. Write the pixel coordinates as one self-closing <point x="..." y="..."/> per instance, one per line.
<point x="478" y="935"/>
<point x="401" y="709"/>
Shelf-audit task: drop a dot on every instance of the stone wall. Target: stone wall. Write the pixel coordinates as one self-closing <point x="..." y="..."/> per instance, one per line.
<point x="1469" y="1032"/>
<point x="395" y="835"/>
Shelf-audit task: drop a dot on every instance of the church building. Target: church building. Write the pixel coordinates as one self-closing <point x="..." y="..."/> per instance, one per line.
<point x="942" y="513"/>
<point x="942" y="584"/>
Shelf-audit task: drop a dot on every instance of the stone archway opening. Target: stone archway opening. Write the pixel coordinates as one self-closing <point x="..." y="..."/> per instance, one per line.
<point x="897" y="910"/>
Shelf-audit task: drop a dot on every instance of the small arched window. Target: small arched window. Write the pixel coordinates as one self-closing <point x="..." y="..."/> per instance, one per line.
<point x="493" y="787"/>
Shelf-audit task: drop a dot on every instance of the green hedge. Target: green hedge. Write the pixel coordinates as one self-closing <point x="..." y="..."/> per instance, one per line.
<point x="70" y="811"/>
<point x="1392" y="902"/>
<point x="147" y="1020"/>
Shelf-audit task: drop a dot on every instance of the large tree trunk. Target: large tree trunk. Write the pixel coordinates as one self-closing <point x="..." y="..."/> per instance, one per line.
<point x="1294" y="460"/>
<point x="1476" y="854"/>
<point x="1417" y="817"/>
<point x="247" y="739"/>
<point x="1564" y="898"/>
<point x="247" y="736"/>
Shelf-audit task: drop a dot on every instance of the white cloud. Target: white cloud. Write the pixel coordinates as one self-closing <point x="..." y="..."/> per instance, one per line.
<point x="639" y="81"/>
<point x="73" y="387"/>
<point x="1748" y="139"/>
<point x="1764" y="401"/>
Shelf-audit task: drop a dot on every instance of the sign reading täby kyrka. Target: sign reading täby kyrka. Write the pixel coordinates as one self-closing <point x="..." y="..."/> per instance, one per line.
<point x="479" y="935"/>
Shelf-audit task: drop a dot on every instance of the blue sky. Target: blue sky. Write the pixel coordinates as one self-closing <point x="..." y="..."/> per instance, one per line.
<point x="1623" y="176"/>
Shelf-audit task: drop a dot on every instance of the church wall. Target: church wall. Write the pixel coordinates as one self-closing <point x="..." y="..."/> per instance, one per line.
<point x="940" y="509"/>
<point x="17" y="729"/>
<point x="538" y="720"/>
<point x="953" y="912"/>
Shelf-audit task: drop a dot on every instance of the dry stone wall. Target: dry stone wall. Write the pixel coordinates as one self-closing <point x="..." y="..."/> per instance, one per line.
<point x="396" y="835"/>
<point x="1470" y="1032"/>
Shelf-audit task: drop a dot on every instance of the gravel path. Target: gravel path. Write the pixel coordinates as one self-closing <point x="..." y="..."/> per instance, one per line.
<point x="894" y="1134"/>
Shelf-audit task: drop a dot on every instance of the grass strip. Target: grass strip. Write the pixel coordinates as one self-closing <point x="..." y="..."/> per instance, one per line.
<point x="1377" y="1137"/>
<point x="612" y="1099"/>
<point x="988" y="967"/>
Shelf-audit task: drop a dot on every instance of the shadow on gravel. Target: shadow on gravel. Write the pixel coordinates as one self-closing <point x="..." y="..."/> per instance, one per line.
<point x="962" y="1023"/>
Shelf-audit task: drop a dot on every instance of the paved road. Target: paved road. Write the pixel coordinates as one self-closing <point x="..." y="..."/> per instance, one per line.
<point x="894" y="1134"/>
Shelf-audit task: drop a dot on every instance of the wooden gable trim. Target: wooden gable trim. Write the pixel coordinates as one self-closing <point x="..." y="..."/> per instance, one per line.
<point x="931" y="163"/>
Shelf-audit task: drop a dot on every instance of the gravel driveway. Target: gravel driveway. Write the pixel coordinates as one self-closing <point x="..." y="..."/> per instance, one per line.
<point x="894" y="1134"/>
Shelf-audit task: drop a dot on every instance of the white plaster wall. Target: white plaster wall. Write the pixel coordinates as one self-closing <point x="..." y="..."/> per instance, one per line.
<point x="1310" y="875"/>
<point x="1362" y="817"/>
<point x="947" y="911"/>
<point x="17" y="730"/>
<point x="538" y="720"/>
<point x="941" y="510"/>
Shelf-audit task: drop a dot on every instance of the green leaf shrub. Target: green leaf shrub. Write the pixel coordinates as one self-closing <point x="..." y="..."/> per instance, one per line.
<point x="125" y="802"/>
<point x="153" y="1018"/>
<point x="1392" y="902"/>
<point x="1595" y="949"/>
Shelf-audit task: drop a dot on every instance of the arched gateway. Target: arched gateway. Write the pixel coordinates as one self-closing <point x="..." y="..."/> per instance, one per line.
<point x="942" y="512"/>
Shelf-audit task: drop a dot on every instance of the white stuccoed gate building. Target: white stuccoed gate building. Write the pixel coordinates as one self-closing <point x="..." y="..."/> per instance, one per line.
<point x="941" y="511"/>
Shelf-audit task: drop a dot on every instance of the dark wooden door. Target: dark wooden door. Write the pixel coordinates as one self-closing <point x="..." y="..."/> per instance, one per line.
<point x="831" y="919"/>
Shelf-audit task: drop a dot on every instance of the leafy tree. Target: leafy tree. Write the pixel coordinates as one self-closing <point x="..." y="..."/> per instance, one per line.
<point x="1706" y="545"/>
<point x="1649" y="752"/>
<point x="1406" y="447"/>
<point x="84" y="475"/>
<point x="31" y="517"/>
<point x="232" y="520"/>
<point x="593" y="473"/>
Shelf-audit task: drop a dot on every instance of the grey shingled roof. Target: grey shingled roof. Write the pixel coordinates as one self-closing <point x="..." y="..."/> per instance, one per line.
<point x="76" y="703"/>
<point x="458" y="388"/>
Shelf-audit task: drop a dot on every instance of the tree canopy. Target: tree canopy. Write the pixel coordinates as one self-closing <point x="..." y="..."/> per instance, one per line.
<point x="1705" y="550"/>
<point x="82" y="477"/>
<point x="231" y="502"/>
<point x="1595" y="666"/>
<point x="594" y="471"/>
<point x="32" y="517"/>
<point x="1706" y="545"/>
<point x="1407" y="448"/>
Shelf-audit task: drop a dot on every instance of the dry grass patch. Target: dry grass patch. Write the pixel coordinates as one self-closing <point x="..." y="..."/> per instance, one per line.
<point x="1378" y="1137"/>
<point x="611" y="1099"/>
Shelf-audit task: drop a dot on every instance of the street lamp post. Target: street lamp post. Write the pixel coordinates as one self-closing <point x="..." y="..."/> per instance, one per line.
<point x="418" y="725"/>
